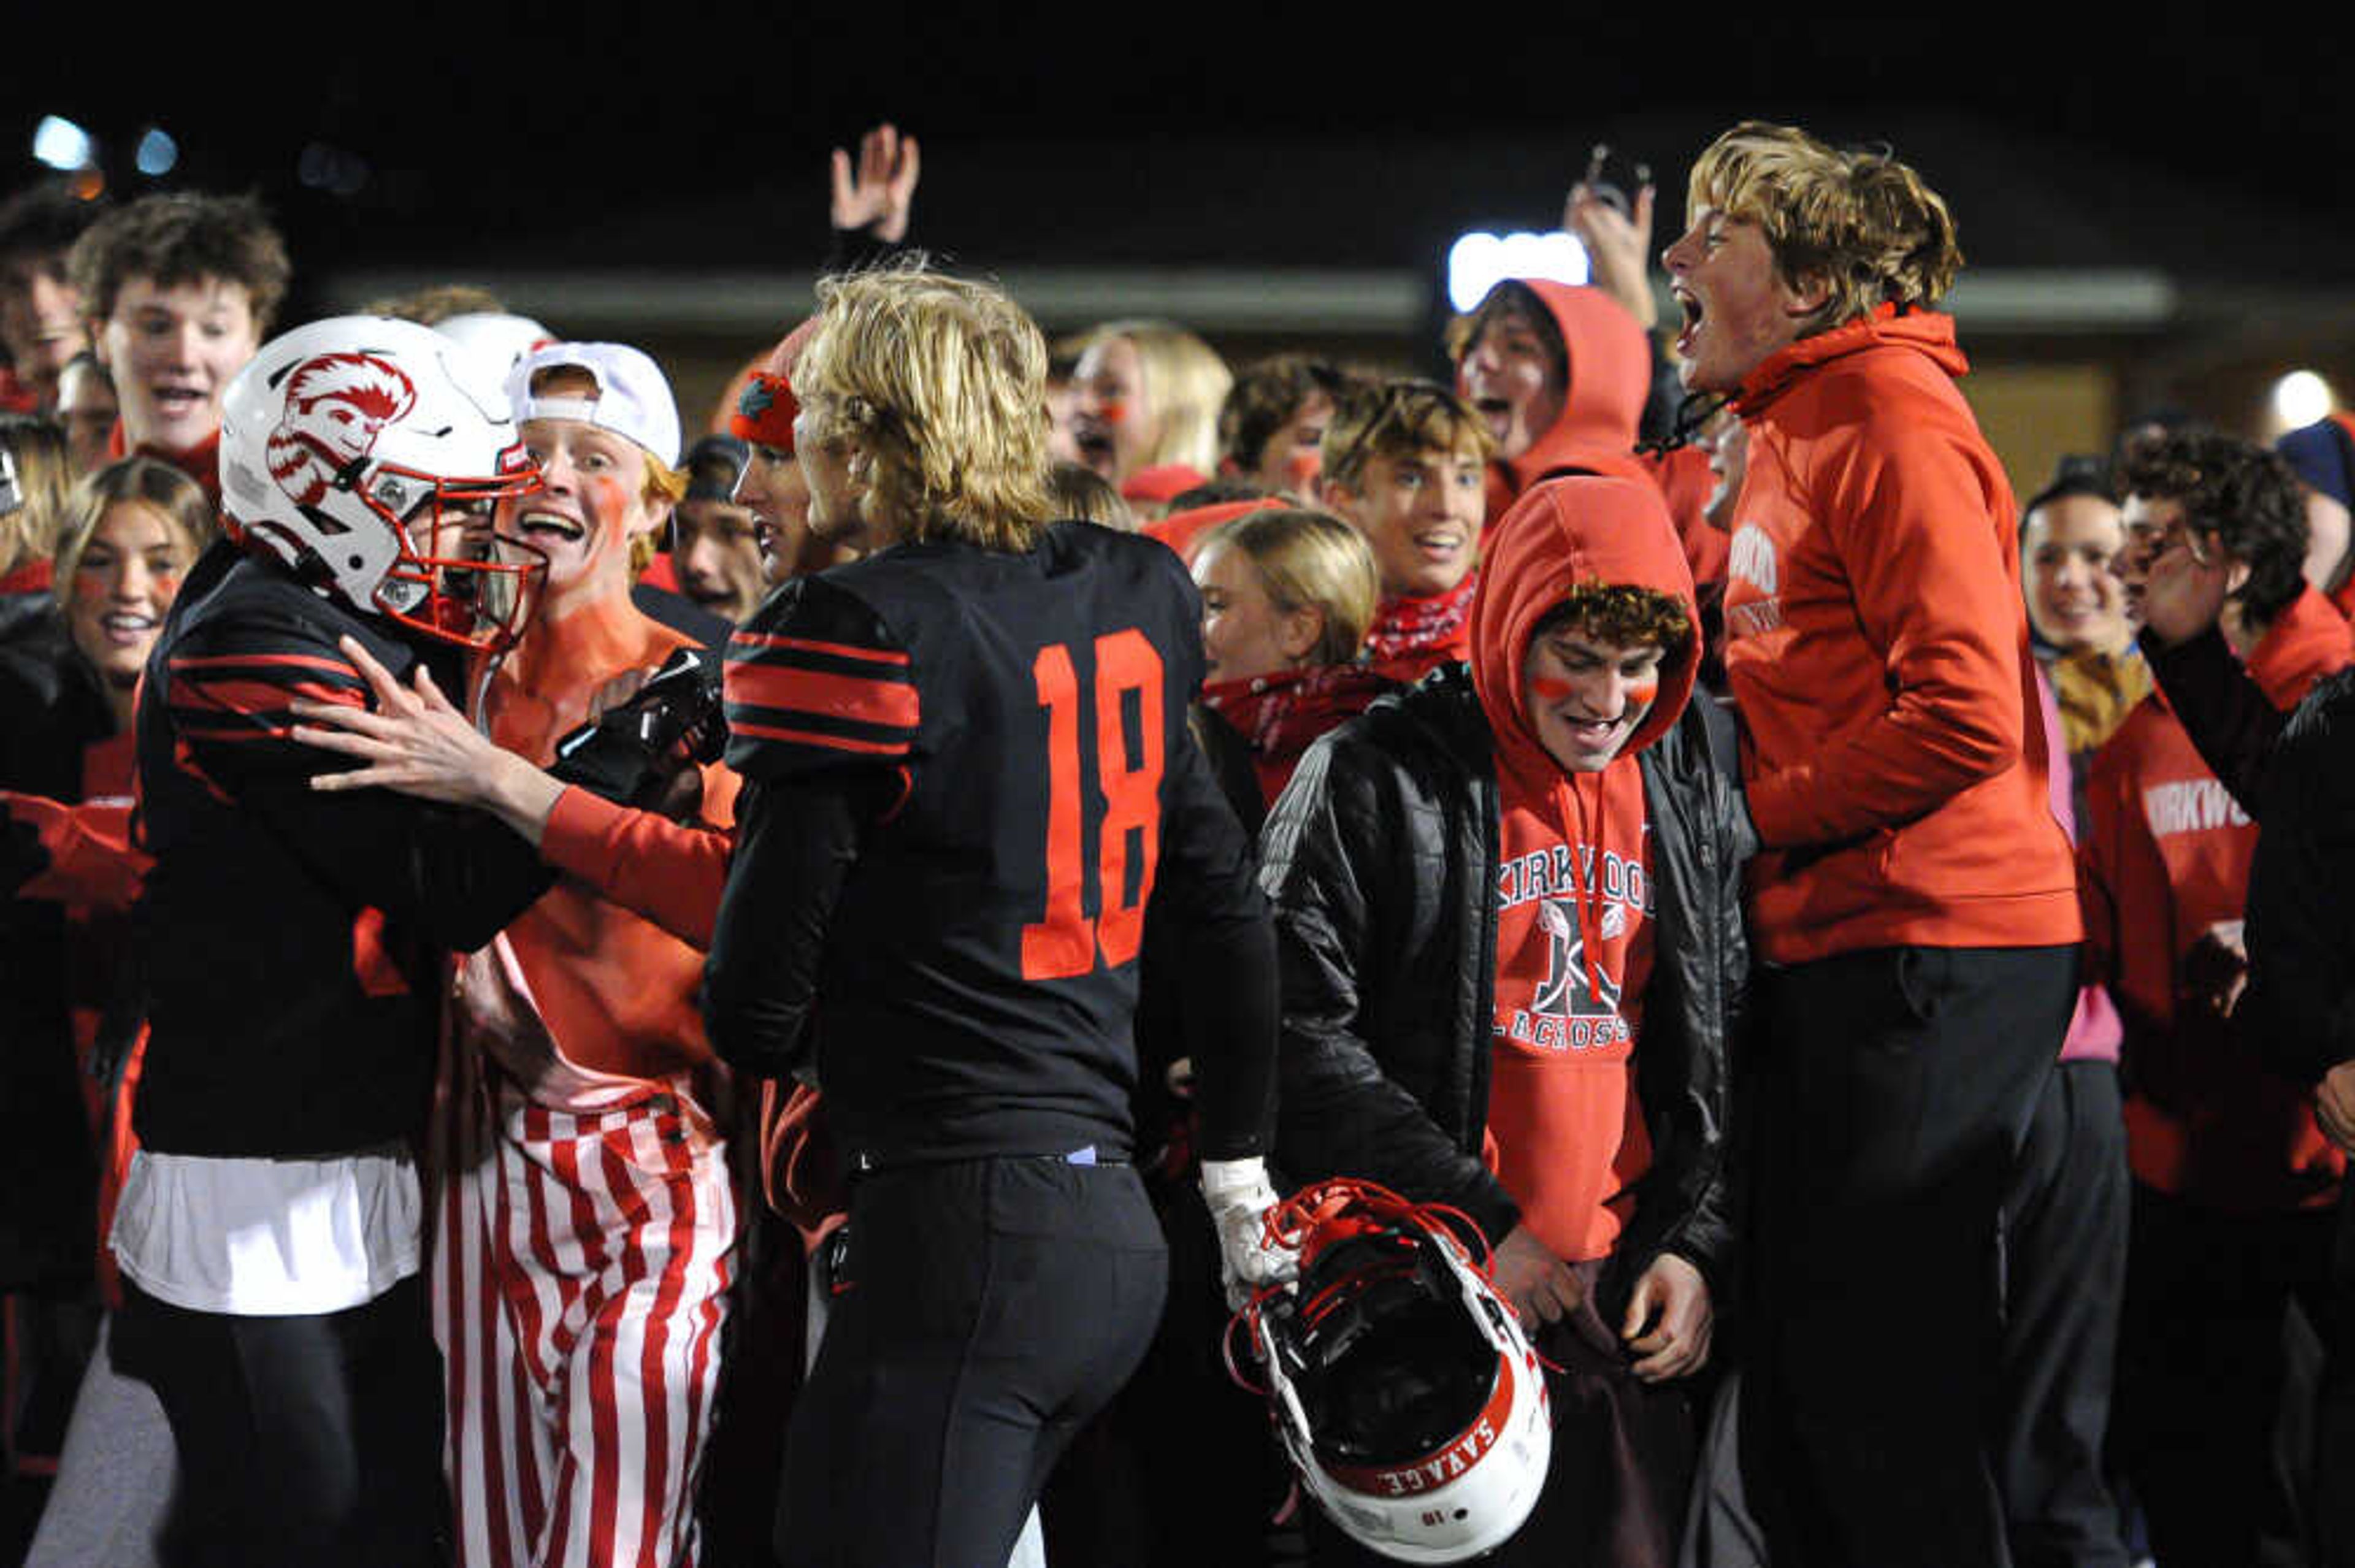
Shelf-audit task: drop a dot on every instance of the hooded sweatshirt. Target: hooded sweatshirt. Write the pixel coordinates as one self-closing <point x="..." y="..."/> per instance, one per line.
<point x="1575" y="933"/>
<point x="1609" y="376"/>
<point x="1876" y="647"/>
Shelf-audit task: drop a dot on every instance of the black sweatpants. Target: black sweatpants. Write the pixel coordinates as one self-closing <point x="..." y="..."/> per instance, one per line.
<point x="2215" y="1305"/>
<point x="1896" y="1087"/>
<point x="310" y="1442"/>
<point x="2064" y="1256"/>
<point x="992" y="1306"/>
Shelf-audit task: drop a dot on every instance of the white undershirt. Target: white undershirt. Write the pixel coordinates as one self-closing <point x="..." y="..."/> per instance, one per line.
<point x="269" y="1238"/>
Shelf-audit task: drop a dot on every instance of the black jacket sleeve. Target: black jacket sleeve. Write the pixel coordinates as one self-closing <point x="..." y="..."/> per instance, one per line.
<point x="1337" y="864"/>
<point x="1207" y="896"/>
<point x="1688" y="1065"/>
<point x="457" y="877"/>
<point x="795" y="843"/>
<point x="2228" y="716"/>
<point x="2300" y="1003"/>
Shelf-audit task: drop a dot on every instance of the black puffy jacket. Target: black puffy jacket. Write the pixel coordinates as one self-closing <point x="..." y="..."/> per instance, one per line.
<point x="1381" y="861"/>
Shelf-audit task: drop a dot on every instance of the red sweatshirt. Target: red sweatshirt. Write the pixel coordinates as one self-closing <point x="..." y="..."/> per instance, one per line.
<point x="200" y="462"/>
<point x="1575" y="934"/>
<point x="2167" y="857"/>
<point x="1610" y="374"/>
<point x="1878" y="652"/>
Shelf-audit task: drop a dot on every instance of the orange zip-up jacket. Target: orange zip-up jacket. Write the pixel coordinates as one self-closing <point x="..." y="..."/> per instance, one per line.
<point x="1878" y="651"/>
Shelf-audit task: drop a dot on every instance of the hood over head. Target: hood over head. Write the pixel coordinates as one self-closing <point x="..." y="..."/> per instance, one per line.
<point x="1562" y="534"/>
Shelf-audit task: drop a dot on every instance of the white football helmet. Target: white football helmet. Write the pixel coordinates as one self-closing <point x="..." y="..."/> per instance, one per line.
<point x="1407" y="1397"/>
<point x="366" y="453"/>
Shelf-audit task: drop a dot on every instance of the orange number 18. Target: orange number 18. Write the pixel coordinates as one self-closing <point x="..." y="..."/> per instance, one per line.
<point x="1128" y="818"/>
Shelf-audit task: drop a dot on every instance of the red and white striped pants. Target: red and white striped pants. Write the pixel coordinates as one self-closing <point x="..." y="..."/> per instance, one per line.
<point x="581" y="1268"/>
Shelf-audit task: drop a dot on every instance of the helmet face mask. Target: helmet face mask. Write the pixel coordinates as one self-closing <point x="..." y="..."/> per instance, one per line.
<point x="365" y="454"/>
<point x="1406" y="1395"/>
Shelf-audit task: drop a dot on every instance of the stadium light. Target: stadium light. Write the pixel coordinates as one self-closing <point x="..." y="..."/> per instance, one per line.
<point x="63" y="145"/>
<point x="157" y="153"/>
<point x="1479" y="260"/>
<point x="2301" y="398"/>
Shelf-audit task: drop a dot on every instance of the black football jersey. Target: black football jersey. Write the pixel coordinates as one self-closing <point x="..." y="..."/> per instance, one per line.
<point x="968" y="772"/>
<point x="291" y="939"/>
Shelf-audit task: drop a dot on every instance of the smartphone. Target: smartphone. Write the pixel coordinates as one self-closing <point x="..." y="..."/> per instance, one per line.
<point x="1613" y="177"/>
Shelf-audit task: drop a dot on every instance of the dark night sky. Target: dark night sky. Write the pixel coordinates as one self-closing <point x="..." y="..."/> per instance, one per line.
<point x="545" y="139"/>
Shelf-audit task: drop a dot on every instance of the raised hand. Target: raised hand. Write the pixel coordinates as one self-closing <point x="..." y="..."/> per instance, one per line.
<point x="1618" y="247"/>
<point x="880" y="194"/>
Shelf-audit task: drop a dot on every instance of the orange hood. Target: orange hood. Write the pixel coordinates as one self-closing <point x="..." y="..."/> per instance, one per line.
<point x="1609" y="376"/>
<point x="1582" y="529"/>
<point x="1926" y="332"/>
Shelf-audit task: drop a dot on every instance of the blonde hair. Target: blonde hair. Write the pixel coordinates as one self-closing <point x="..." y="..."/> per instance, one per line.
<point x="665" y="487"/>
<point x="1186" y="383"/>
<point x="144" y="481"/>
<point x="1081" y="492"/>
<point x="944" y="382"/>
<point x="45" y="473"/>
<point x="1308" y="561"/>
<point x="1860" y="223"/>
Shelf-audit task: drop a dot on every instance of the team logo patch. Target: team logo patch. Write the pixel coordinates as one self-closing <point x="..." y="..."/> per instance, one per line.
<point x="337" y="405"/>
<point x="1569" y="992"/>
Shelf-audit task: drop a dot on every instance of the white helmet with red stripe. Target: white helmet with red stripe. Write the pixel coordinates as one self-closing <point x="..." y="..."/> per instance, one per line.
<point x="365" y="454"/>
<point x="1406" y="1395"/>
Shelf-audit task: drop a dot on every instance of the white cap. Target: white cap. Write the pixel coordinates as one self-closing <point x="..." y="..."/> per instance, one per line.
<point x="498" y="339"/>
<point x="633" y="396"/>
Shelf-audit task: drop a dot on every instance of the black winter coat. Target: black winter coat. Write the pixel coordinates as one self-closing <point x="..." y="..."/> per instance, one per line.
<point x="1381" y="862"/>
<point x="2301" y="1004"/>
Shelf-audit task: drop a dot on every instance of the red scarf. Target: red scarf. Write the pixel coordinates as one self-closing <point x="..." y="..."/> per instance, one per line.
<point x="1412" y="635"/>
<point x="1281" y="714"/>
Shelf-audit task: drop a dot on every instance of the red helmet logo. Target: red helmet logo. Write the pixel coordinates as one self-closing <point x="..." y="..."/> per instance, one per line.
<point x="337" y="405"/>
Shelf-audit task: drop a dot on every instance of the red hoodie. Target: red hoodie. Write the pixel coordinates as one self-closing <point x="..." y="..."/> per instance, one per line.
<point x="1878" y="652"/>
<point x="2167" y="857"/>
<point x="1610" y="374"/>
<point x="1574" y="932"/>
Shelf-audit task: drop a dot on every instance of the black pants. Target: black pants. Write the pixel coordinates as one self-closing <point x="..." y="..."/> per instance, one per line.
<point x="2064" y="1231"/>
<point x="310" y="1442"/>
<point x="2217" y="1305"/>
<point x="1897" y="1087"/>
<point x="993" y="1305"/>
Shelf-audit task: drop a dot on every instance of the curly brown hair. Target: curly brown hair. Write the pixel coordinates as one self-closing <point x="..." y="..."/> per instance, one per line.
<point x="2243" y="495"/>
<point x="182" y="237"/>
<point x="1623" y="614"/>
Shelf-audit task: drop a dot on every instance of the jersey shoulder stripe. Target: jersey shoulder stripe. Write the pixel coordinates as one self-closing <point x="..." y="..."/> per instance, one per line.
<point x="816" y="680"/>
<point x="249" y="697"/>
